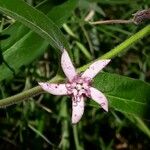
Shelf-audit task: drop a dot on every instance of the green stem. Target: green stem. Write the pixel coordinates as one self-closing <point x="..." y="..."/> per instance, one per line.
<point x="115" y="51"/>
<point x="121" y="47"/>
<point x="37" y="90"/>
<point x="20" y="97"/>
<point x="25" y="95"/>
<point x="76" y="139"/>
<point x="64" y="144"/>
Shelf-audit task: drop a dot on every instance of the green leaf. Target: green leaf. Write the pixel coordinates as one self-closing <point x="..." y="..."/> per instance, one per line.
<point x="20" y="28"/>
<point x="53" y="12"/>
<point x="35" y="20"/>
<point x="17" y="58"/>
<point x="14" y="36"/>
<point x="21" y="44"/>
<point x="125" y="94"/>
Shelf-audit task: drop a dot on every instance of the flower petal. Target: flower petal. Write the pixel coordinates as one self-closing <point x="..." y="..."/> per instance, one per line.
<point x="77" y="109"/>
<point x="67" y="66"/>
<point x="55" y="89"/>
<point x="99" y="97"/>
<point x="95" y="68"/>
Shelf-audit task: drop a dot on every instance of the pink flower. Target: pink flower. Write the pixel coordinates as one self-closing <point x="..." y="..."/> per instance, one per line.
<point x="78" y="86"/>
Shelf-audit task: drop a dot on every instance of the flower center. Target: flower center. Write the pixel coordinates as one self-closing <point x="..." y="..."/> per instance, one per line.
<point x="79" y="86"/>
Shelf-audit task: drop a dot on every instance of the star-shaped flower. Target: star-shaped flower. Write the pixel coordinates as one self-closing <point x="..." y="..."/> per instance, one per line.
<point x="78" y="86"/>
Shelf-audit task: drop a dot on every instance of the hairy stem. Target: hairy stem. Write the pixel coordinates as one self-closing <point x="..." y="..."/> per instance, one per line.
<point x="117" y="50"/>
<point x="25" y="95"/>
<point x="121" y="47"/>
<point x="20" y="97"/>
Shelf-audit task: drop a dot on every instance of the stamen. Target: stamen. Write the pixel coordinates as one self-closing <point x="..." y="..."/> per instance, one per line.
<point x="79" y="87"/>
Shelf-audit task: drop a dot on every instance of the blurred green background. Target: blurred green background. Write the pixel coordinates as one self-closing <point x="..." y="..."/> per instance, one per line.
<point x="44" y="121"/>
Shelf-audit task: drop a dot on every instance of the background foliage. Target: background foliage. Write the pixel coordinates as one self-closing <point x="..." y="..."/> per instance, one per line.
<point x="32" y="34"/>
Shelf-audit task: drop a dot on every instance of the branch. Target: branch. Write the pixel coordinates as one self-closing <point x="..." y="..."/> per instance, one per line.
<point x="112" y="53"/>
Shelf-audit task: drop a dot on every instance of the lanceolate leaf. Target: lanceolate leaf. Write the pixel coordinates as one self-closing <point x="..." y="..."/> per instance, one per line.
<point x="22" y="48"/>
<point x="17" y="58"/>
<point x="53" y="12"/>
<point x="17" y="30"/>
<point x="125" y="94"/>
<point x="35" y="20"/>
